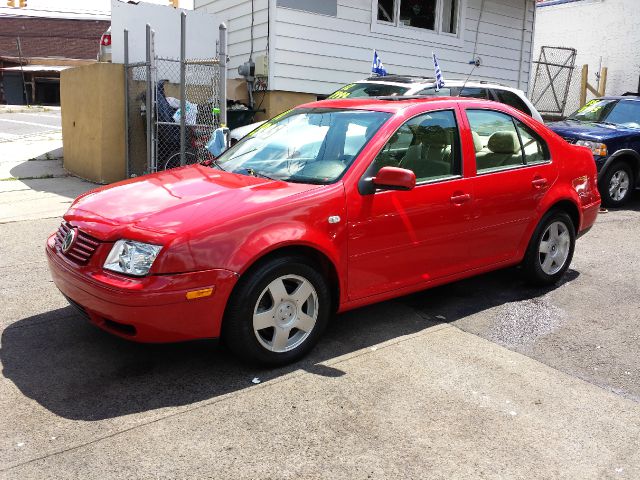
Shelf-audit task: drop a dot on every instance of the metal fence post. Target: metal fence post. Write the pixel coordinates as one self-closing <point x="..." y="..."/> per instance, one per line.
<point x="183" y="88"/>
<point x="149" y="102"/>
<point x="222" y="59"/>
<point x="126" y="104"/>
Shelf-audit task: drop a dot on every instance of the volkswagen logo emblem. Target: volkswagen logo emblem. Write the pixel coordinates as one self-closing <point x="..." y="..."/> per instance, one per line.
<point x="69" y="239"/>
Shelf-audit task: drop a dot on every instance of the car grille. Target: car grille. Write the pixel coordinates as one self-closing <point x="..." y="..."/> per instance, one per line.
<point x="570" y="140"/>
<point x="82" y="248"/>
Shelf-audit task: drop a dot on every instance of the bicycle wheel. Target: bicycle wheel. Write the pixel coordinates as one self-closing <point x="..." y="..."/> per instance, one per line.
<point x="174" y="160"/>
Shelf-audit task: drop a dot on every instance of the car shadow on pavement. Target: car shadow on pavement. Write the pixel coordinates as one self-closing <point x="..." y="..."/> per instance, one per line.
<point x="79" y="372"/>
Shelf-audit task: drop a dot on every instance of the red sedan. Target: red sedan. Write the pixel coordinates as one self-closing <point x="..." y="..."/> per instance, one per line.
<point x="330" y="206"/>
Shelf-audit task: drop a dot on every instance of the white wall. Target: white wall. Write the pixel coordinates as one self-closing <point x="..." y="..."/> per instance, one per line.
<point x="202" y="31"/>
<point x="597" y="29"/>
<point x="318" y="54"/>
<point x="236" y="14"/>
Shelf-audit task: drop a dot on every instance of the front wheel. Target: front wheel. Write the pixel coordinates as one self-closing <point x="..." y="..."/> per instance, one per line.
<point x="551" y="249"/>
<point x="617" y="185"/>
<point x="277" y="312"/>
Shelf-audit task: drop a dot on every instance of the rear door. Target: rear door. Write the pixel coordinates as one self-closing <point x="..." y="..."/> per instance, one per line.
<point x="514" y="171"/>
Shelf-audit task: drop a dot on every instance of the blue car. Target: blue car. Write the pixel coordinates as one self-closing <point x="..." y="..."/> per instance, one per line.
<point x="610" y="127"/>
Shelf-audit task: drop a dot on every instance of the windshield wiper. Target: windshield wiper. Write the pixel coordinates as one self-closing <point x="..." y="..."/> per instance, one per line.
<point x="255" y="173"/>
<point x="217" y="164"/>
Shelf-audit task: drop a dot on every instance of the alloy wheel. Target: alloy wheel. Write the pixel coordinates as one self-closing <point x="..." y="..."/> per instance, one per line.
<point x="554" y="248"/>
<point x="619" y="185"/>
<point x="285" y="314"/>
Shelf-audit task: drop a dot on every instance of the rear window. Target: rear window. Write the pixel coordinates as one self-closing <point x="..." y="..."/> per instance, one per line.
<point x="513" y="100"/>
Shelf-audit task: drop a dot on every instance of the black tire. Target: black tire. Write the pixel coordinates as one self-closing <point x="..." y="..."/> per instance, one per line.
<point x="610" y="180"/>
<point x="534" y="260"/>
<point x="174" y="160"/>
<point x="238" y="326"/>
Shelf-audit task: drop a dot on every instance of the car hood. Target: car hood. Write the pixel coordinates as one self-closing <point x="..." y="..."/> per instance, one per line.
<point x="590" y="130"/>
<point x="176" y="202"/>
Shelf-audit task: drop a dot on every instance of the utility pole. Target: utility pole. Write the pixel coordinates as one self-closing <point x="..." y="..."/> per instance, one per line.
<point x="24" y="84"/>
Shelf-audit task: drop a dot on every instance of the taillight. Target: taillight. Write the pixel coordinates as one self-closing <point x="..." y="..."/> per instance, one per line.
<point x="105" y="41"/>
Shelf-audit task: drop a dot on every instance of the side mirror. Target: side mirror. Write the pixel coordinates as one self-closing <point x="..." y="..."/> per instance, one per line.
<point x="394" y="178"/>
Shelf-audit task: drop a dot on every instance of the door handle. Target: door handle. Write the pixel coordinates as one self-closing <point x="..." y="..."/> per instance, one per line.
<point x="539" y="182"/>
<point x="459" y="199"/>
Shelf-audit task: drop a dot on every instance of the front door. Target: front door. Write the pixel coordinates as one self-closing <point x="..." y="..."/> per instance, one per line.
<point x="398" y="239"/>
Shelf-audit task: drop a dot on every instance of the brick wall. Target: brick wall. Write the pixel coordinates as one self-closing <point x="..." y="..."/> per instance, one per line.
<point x="49" y="37"/>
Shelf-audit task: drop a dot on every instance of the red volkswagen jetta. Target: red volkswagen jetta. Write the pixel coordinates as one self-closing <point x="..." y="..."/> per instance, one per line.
<point x="327" y="207"/>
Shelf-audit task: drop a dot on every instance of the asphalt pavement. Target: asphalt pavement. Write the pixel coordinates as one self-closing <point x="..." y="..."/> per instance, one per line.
<point x="484" y="378"/>
<point x="14" y="126"/>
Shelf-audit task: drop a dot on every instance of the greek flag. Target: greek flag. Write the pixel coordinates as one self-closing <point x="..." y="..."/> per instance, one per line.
<point x="439" y="77"/>
<point x="377" y="67"/>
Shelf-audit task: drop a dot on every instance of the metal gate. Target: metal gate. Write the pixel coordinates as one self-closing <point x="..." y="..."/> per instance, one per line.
<point x="173" y="105"/>
<point x="552" y="79"/>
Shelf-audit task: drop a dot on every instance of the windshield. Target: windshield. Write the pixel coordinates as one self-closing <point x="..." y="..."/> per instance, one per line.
<point x="616" y="112"/>
<point x="594" y="111"/>
<point x="304" y="145"/>
<point x="626" y="113"/>
<point x="356" y="90"/>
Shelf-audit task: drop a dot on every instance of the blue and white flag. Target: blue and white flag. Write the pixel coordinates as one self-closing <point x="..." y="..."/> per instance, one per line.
<point x="376" y="66"/>
<point x="439" y="77"/>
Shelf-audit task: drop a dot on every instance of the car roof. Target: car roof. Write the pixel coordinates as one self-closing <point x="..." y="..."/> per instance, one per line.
<point x="386" y="104"/>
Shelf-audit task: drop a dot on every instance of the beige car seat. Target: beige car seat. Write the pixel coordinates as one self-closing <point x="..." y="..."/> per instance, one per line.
<point x="431" y="157"/>
<point x="504" y="150"/>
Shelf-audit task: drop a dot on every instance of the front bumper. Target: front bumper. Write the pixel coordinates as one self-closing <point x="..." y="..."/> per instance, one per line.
<point x="148" y="309"/>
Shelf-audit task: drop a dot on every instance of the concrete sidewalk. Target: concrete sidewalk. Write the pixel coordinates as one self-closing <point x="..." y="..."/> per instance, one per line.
<point x="33" y="182"/>
<point x="27" y="108"/>
<point x="440" y="403"/>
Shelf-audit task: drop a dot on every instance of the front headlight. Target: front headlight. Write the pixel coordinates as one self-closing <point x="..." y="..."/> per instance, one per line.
<point x="132" y="258"/>
<point x="599" y="149"/>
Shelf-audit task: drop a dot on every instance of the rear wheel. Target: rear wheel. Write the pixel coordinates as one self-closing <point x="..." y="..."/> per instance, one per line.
<point x="277" y="312"/>
<point x="617" y="185"/>
<point x="551" y="249"/>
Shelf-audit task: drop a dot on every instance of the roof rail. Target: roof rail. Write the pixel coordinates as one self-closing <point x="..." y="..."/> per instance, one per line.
<point x="401" y="78"/>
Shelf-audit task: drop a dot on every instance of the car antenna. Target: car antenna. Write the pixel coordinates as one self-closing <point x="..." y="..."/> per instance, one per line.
<point x="476" y="62"/>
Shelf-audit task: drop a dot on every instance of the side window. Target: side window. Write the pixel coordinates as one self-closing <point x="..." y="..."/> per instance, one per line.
<point x="534" y="148"/>
<point x="513" y="100"/>
<point x="472" y="92"/>
<point x="428" y="144"/>
<point x="496" y="140"/>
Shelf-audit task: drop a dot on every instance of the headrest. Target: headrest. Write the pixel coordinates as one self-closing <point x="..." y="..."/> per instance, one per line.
<point x="504" y="142"/>
<point x="477" y="141"/>
<point x="435" y="135"/>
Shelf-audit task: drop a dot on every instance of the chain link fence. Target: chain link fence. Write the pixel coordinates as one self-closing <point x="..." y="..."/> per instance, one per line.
<point x="173" y="107"/>
<point x="553" y="80"/>
<point x="202" y="107"/>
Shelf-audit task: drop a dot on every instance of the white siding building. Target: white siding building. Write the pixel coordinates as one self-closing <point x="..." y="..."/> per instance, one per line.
<point x="603" y="32"/>
<point x="314" y="47"/>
